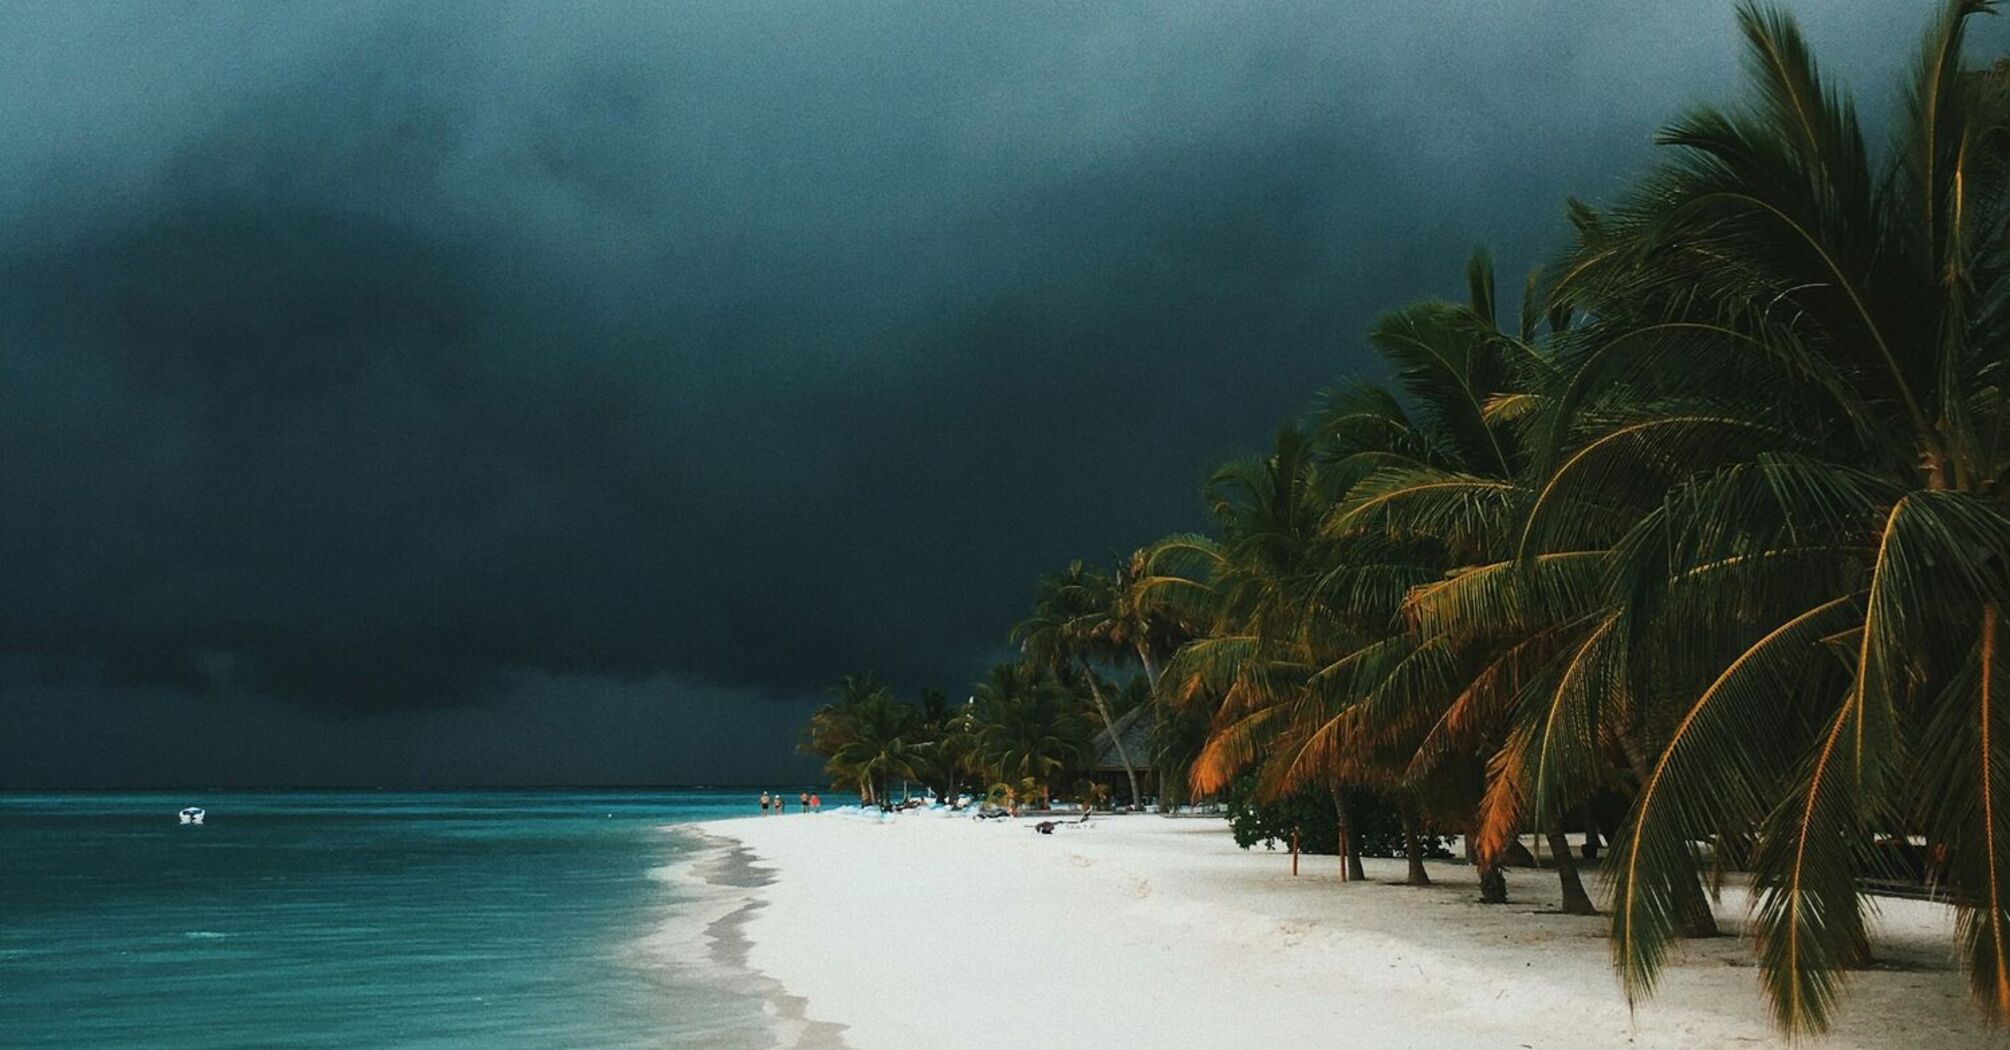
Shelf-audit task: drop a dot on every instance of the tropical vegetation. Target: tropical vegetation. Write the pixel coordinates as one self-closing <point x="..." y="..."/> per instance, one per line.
<point x="1706" y="546"/>
<point x="1023" y="737"/>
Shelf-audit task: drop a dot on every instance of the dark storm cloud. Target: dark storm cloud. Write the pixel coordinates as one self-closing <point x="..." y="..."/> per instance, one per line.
<point x="384" y="357"/>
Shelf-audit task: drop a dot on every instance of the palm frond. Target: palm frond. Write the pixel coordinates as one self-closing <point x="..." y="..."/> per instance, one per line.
<point x="1715" y="770"/>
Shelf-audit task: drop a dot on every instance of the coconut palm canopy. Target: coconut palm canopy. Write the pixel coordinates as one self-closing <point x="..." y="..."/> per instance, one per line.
<point x="1710" y="534"/>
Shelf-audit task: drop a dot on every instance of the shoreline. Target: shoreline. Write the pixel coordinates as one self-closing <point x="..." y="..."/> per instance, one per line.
<point x="709" y="940"/>
<point x="1135" y="931"/>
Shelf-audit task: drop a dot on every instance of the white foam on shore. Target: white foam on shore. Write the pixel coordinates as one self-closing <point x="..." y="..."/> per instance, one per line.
<point x="701" y="941"/>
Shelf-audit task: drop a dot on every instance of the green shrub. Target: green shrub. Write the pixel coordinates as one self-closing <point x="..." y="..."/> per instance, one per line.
<point x="1376" y="822"/>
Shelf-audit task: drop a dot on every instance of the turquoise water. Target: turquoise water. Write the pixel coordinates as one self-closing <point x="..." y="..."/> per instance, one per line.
<point x="300" y="919"/>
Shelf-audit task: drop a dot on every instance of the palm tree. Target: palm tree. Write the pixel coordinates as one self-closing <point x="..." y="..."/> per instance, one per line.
<point x="1326" y="540"/>
<point x="1719" y="526"/>
<point x="945" y="744"/>
<point x="1147" y="628"/>
<point x="831" y="727"/>
<point x="1073" y="626"/>
<point x="1430" y="488"/>
<point x="1257" y="662"/>
<point x="1028" y="728"/>
<point x="867" y="737"/>
<point x="1781" y="430"/>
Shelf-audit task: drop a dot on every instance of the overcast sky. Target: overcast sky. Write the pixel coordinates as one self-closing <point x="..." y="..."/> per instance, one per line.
<point x="489" y="392"/>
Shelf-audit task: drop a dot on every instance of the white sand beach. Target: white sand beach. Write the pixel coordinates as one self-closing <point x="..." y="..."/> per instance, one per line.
<point x="1146" y="932"/>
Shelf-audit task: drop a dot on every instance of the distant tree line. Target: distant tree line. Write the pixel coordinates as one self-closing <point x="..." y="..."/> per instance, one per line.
<point x="1024" y="737"/>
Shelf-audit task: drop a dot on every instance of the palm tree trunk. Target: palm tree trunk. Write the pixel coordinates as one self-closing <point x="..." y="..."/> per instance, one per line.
<point x="1690" y="902"/>
<point x="1151" y="666"/>
<point x="1493" y="874"/>
<point x="1413" y="845"/>
<point x="1856" y="954"/>
<point x="1493" y="882"/>
<point x="1103" y="709"/>
<point x="1575" y="900"/>
<point x="1694" y="905"/>
<point x="1350" y="845"/>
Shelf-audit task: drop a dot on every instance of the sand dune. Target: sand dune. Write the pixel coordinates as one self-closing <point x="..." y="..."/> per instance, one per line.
<point x="1145" y="932"/>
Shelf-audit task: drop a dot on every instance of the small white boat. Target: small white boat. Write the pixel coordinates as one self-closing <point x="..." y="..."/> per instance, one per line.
<point x="193" y="815"/>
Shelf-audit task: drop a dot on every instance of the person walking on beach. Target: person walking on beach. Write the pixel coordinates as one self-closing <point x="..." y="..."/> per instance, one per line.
<point x="781" y="803"/>
<point x="816" y="803"/>
<point x="803" y="800"/>
<point x="764" y="803"/>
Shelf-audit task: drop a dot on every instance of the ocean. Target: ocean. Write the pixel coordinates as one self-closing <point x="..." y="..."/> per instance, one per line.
<point x="375" y="919"/>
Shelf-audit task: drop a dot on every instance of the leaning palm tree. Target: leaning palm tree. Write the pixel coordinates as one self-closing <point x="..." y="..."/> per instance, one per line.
<point x="1430" y="485"/>
<point x="1782" y="425"/>
<point x="1073" y="627"/>
<point x="1256" y="665"/>
<point x="1433" y="481"/>
<point x="1148" y="629"/>
<point x="944" y="744"/>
